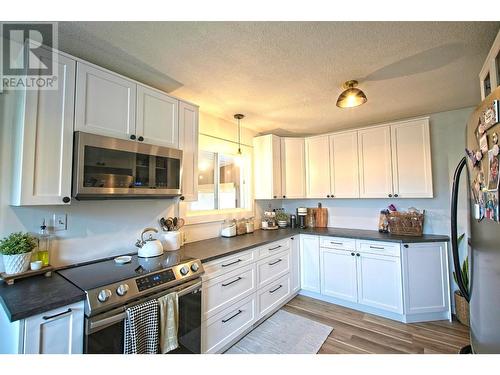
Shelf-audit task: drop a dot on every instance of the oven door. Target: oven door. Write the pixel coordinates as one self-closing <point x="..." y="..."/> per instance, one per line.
<point x="104" y="333"/>
<point x="105" y="167"/>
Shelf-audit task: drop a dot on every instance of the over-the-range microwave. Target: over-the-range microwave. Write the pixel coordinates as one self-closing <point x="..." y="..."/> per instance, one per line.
<point x="112" y="168"/>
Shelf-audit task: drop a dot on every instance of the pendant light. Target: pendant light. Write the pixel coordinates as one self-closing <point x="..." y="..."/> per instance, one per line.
<point x="351" y="96"/>
<point x="238" y="117"/>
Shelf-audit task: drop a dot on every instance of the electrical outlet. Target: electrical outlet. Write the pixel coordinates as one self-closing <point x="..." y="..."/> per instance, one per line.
<point x="60" y="222"/>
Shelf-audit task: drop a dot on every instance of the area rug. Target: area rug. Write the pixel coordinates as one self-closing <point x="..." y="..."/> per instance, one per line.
<point x="283" y="333"/>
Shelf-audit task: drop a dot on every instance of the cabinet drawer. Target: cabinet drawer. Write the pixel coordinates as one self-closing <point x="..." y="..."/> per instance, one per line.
<point x="220" y="266"/>
<point x="220" y="329"/>
<point x="272" y="267"/>
<point x="337" y="243"/>
<point x="273" y="248"/>
<point x="273" y="295"/>
<point x="221" y="292"/>
<point x="380" y="248"/>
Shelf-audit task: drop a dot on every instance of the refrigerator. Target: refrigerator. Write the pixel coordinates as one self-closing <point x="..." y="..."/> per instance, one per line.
<point x="479" y="168"/>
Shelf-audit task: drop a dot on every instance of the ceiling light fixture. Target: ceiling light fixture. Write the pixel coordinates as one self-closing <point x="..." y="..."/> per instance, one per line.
<point x="351" y="96"/>
<point x="238" y="117"/>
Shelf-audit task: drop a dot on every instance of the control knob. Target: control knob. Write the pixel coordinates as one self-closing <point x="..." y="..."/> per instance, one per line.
<point x="195" y="267"/>
<point x="184" y="270"/>
<point x="122" y="289"/>
<point x="104" y="295"/>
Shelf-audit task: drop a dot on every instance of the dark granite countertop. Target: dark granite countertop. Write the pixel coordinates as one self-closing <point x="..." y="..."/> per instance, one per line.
<point x="37" y="294"/>
<point x="214" y="248"/>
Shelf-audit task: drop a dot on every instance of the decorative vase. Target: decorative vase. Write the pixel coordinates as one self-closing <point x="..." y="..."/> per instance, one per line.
<point x="461" y="308"/>
<point x="282" y="223"/>
<point x="18" y="263"/>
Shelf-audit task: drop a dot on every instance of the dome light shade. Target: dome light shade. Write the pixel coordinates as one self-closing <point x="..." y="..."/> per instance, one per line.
<point x="351" y="96"/>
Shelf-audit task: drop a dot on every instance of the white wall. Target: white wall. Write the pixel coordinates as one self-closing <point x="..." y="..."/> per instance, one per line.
<point x="97" y="229"/>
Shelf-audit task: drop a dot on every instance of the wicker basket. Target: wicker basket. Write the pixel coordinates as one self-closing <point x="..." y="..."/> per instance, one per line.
<point x="462" y="309"/>
<point x="406" y="223"/>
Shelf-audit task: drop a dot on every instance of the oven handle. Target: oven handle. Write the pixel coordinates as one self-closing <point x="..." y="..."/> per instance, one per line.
<point x="96" y="325"/>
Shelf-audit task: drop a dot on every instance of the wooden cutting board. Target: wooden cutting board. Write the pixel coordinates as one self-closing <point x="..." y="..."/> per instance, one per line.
<point x="321" y="215"/>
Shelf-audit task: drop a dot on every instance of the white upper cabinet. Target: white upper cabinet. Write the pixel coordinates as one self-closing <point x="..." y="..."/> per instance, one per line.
<point x="44" y="142"/>
<point x="267" y="167"/>
<point x="293" y="179"/>
<point x="157" y="117"/>
<point x="375" y="171"/>
<point x="411" y="159"/>
<point x="344" y="170"/>
<point x="188" y="143"/>
<point x="105" y="103"/>
<point x="317" y="150"/>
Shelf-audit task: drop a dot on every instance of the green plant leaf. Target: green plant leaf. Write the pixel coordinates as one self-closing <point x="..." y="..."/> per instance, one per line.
<point x="17" y="243"/>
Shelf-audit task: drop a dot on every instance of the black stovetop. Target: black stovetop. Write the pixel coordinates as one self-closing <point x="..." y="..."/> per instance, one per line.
<point x="100" y="273"/>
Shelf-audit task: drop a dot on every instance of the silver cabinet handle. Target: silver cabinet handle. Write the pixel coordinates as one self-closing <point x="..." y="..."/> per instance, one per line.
<point x="230" y="264"/>
<point x="274" y="248"/>
<point x="57" y="315"/>
<point x="273" y="263"/>
<point x="274" y="290"/>
<point x="337" y="243"/>
<point x="377" y="247"/>
<point x="232" y="282"/>
<point x="234" y="316"/>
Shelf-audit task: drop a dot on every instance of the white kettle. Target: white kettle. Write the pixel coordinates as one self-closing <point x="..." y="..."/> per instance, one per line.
<point x="149" y="247"/>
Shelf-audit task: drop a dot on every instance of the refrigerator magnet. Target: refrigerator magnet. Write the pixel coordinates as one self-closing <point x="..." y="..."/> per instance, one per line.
<point x="483" y="143"/>
<point x="494" y="138"/>
<point x="492" y="171"/>
<point x="490" y="115"/>
<point x="496" y="150"/>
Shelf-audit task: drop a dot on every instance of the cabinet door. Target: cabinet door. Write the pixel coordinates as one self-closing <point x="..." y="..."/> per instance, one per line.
<point x="375" y="173"/>
<point x="411" y="159"/>
<point x="105" y="103"/>
<point x="188" y="143"/>
<point x="157" y="117"/>
<point x="46" y="145"/>
<point x="338" y="274"/>
<point x="317" y="151"/>
<point x="295" y="264"/>
<point x="344" y="169"/>
<point x="379" y="282"/>
<point x="309" y="263"/>
<point x="267" y="167"/>
<point x="425" y="292"/>
<point x="58" y="331"/>
<point x="293" y="168"/>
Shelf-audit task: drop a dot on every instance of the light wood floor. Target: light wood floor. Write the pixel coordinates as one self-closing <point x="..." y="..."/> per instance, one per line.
<point x="358" y="332"/>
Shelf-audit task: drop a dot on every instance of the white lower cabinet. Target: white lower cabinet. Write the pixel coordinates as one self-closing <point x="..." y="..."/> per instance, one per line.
<point x="243" y="288"/>
<point x="339" y="274"/>
<point x="58" y="331"/>
<point x="224" y="327"/>
<point x="309" y="263"/>
<point x="273" y="295"/>
<point x="379" y="282"/>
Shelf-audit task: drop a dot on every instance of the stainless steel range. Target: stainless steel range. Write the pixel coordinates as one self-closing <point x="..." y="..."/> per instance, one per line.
<point x="111" y="288"/>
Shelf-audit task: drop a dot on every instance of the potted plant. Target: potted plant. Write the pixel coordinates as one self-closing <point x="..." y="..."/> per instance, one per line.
<point x="461" y="304"/>
<point x="282" y="219"/>
<point x="16" y="251"/>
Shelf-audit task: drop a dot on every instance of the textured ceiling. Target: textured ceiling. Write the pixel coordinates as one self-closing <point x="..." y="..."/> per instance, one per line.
<point x="286" y="76"/>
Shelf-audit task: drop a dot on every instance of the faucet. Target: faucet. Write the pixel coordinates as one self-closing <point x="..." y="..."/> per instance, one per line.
<point x="140" y="243"/>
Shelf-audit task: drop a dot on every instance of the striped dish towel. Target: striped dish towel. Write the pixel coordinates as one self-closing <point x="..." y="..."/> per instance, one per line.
<point x="141" y="329"/>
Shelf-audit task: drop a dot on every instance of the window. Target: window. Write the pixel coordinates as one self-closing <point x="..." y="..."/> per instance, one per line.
<point x="221" y="182"/>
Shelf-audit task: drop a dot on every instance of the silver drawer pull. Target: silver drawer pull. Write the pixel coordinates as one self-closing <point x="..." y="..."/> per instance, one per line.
<point x="234" y="316"/>
<point x="274" y="248"/>
<point x="56" y="315"/>
<point x="337" y="243"/>
<point x="377" y="247"/>
<point x="232" y="282"/>
<point x="230" y="264"/>
<point x="274" y="290"/>
<point x="273" y="263"/>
